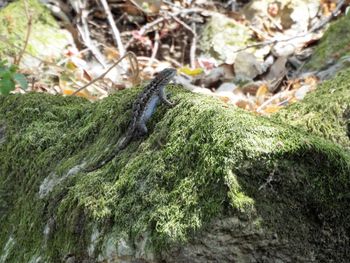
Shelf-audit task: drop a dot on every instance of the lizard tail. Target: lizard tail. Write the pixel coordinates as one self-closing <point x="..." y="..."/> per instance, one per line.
<point x="100" y="164"/>
<point x="122" y="143"/>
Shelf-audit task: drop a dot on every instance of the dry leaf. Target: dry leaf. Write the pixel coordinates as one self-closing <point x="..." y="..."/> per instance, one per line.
<point x="191" y="72"/>
<point x="272" y="108"/>
<point x="262" y="90"/>
<point x="82" y="93"/>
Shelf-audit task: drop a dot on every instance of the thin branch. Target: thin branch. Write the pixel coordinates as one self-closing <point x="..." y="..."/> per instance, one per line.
<point x="173" y="61"/>
<point x="155" y="48"/>
<point x="183" y="24"/>
<point x="138" y="6"/>
<point x="193" y="47"/>
<point x="29" y="29"/>
<point x="312" y="30"/>
<point x="85" y="34"/>
<point x="270" y="100"/>
<point x="105" y="73"/>
<point x="166" y="16"/>
<point x="134" y="65"/>
<point x="115" y="30"/>
<point x="329" y="18"/>
<point x="194" y="39"/>
<point x="143" y="29"/>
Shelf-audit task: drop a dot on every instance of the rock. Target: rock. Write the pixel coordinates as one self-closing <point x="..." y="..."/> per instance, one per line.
<point x="222" y="37"/>
<point x="47" y="41"/>
<point x="210" y="182"/>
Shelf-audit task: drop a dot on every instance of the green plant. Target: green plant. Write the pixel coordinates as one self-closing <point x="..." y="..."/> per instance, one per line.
<point x="9" y="77"/>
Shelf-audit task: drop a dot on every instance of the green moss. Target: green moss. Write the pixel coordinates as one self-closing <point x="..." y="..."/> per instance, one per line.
<point x="31" y="156"/>
<point x="329" y="49"/>
<point x="324" y="112"/>
<point x="201" y="160"/>
<point x="238" y="198"/>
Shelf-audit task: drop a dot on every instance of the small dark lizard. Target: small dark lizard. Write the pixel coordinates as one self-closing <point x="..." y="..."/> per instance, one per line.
<point x="143" y="108"/>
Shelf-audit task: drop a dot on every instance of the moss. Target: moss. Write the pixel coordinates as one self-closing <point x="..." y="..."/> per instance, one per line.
<point x="31" y="154"/>
<point x="323" y="112"/>
<point x="329" y="50"/>
<point x="201" y="160"/>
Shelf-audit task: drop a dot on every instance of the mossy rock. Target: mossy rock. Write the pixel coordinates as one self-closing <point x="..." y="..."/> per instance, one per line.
<point x="209" y="182"/>
<point x="334" y="45"/>
<point x="325" y="112"/>
<point x="46" y="39"/>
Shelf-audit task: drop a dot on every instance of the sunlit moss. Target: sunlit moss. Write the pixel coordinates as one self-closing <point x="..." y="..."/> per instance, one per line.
<point x="325" y="112"/>
<point x="329" y="50"/>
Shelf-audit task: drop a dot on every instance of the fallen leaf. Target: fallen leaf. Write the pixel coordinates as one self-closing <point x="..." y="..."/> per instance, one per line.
<point x="262" y="90"/>
<point x="272" y="108"/>
<point x="191" y="72"/>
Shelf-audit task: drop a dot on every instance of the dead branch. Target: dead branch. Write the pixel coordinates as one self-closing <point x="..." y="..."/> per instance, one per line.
<point x="312" y="30"/>
<point x="114" y="28"/>
<point x="155" y="48"/>
<point x="193" y="47"/>
<point x="129" y="53"/>
<point x="143" y="30"/>
<point x="29" y="29"/>
<point x="85" y="34"/>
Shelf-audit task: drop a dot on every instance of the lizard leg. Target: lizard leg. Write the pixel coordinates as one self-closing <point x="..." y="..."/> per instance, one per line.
<point x="141" y="128"/>
<point x="149" y="109"/>
<point x="147" y="113"/>
<point x="164" y="99"/>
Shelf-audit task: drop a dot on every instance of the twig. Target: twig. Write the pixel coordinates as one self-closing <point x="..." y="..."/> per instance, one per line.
<point x="33" y="82"/>
<point x="115" y="30"/>
<point x="148" y="26"/>
<point x="64" y="60"/>
<point x="194" y="39"/>
<point x="173" y="61"/>
<point x="265" y="43"/>
<point x="183" y="24"/>
<point x="268" y="181"/>
<point x="105" y="73"/>
<point x="329" y="18"/>
<point x="312" y="30"/>
<point x="271" y="178"/>
<point x="278" y="26"/>
<point x="276" y="96"/>
<point x="134" y="65"/>
<point x="85" y="34"/>
<point x="29" y="29"/>
<point x="143" y="29"/>
<point x="138" y="6"/>
<point x="155" y="48"/>
<point x="193" y="47"/>
<point x="258" y="32"/>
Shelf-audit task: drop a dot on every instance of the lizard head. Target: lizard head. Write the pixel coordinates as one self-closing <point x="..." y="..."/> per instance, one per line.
<point x="165" y="76"/>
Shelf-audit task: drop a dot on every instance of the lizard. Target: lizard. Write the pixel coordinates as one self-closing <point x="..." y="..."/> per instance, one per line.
<point x="142" y="110"/>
